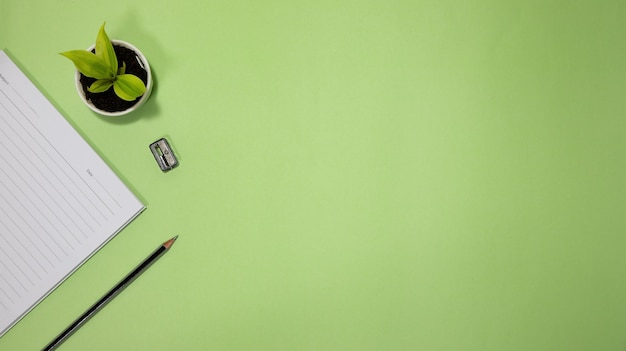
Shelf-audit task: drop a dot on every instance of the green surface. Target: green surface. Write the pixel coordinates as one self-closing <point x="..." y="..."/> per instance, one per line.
<point x="355" y="175"/>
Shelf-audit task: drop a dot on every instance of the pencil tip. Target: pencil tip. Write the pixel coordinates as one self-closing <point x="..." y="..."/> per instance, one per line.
<point x="170" y="242"/>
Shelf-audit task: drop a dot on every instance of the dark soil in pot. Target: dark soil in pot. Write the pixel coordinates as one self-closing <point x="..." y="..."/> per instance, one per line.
<point x="107" y="100"/>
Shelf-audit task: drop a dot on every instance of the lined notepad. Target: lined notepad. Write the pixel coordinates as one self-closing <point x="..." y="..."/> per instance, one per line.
<point x="59" y="201"/>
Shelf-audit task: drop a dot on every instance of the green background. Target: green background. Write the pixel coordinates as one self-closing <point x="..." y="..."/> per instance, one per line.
<point x="355" y="175"/>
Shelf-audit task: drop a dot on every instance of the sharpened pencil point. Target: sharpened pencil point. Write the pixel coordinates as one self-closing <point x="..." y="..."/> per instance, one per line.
<point x="170" y="242"/>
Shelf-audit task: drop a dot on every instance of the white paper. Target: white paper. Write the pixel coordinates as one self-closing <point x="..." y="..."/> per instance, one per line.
<point x="59" y="201"/>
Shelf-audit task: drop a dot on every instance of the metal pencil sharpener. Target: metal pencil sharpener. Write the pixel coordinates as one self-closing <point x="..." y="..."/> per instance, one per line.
<point x="163" y="154"/>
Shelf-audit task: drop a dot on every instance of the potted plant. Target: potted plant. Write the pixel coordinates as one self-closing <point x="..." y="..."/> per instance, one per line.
<point x="113" y="77"/>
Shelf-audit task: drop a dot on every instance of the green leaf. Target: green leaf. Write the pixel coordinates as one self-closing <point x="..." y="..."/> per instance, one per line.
<point x="89" y="64"/>
<point x="128" y="87"/>
<point x="101" y="85"/>
<point x="104" y="49"/>
<point x="122" y="69"/>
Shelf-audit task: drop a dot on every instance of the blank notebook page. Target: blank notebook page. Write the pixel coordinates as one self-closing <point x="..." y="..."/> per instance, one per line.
<point x="59" y="201"/>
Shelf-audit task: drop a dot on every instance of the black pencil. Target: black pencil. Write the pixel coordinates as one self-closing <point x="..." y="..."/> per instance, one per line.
<point x="110" y="295"/>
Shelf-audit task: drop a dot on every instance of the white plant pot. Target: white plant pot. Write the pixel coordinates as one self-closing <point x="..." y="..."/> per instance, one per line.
<point x="143" y="62"/>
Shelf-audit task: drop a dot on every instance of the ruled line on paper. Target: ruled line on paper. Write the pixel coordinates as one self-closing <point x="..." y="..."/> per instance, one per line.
<point x="106" y="191"/>
<point x="33" y="218"/>
<point x="23" y="247"/>
<point x="23" y="155"/>
<point x="26" y="152"/>
<point x="44" y="186"/>
<point x="11" y="286"/>
<point x="5" y="256"/>
<point x="67" y="165"/>
<point x="19" y="227"/>
<point x="27" y="263"/>
<point x="8" y="276"/>
<point x="22" y="99"/>
<point x="4" y="306"/>
<point x="22" y="126"/>
<point x="47" y="214"/>
<point x="6" y="295"/>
